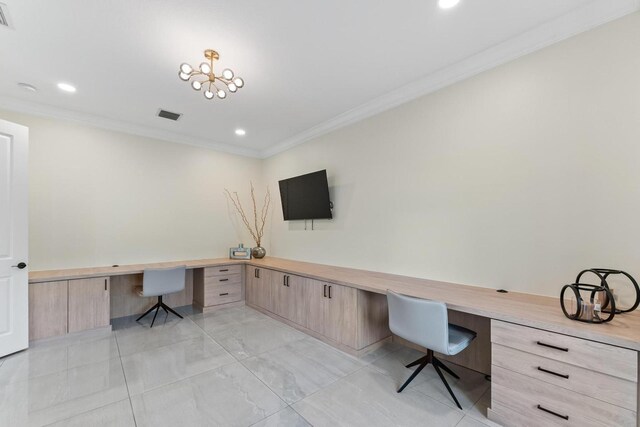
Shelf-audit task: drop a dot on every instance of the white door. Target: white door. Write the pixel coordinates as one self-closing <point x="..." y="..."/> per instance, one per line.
<point x="14" y="274"/>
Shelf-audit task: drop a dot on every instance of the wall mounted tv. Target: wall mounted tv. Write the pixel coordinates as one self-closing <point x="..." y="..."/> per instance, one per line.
<point x="306" y="197"/>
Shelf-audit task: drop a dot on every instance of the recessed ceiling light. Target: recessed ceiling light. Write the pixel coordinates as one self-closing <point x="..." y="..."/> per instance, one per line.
<point x="66" y="87"/>
<point x="27" y="86"/>
<point x="447" y="4"/>
<point x="241" y="132"/>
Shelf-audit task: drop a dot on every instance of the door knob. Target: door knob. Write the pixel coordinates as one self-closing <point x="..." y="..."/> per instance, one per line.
<point x="20" y="265"/>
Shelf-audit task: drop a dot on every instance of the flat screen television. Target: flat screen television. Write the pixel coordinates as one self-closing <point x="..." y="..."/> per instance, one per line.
<point x="306" y="197"/>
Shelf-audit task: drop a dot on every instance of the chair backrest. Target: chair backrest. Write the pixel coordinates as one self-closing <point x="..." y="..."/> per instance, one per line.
<point x="162" y="281"/>
<point x="420" y="321"/>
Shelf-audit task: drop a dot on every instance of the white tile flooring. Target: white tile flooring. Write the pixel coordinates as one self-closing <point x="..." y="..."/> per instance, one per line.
<point x="232" y="367"/>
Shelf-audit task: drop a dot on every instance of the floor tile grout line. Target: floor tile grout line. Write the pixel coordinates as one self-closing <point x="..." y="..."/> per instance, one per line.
<point x="300" y="415"/>
<point x="185" y="378"/>
<point x="331" y="383"/>
<point x="165" y="345"/>
<point x="257" y="354"/>
<point x="133" y="413"/>
<point x="283" y="346"/>
<point x="474" y="419"/>
<point x="124" y="373"/>
<point x="67" y="367"/>
<point x="414" y="388"/>
<point x="84" y="412"/>
<point x="84" y="365"/>
<point x="173" y="382"/>
<point x="266" y="385"/>
<point x="451" y="404"/>
<point x="204" y="372"/>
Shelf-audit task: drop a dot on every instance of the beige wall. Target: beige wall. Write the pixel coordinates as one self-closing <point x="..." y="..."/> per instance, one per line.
<point x="517" y="178"/>
<point x="98" y="197"/>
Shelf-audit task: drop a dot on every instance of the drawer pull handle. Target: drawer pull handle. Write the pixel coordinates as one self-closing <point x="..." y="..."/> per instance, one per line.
<point x="552" y="346"/>
<point x="564" y="417"/>
<point x="325" y="291"/>
<point x="223" y="280"/>
<point x="226" y="269"/>
<point x="226" y="293"/>
<point x="540" y="368"/>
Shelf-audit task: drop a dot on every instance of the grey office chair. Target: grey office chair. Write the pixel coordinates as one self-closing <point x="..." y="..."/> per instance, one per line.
<point x="159" y="282"/>
<point x="426" y="323"/>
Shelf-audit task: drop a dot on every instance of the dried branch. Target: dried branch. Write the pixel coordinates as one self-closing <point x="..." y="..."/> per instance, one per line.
<point x="255" y="213"/>
<point x="265" y="209"/>
<point x="258" y="222"/>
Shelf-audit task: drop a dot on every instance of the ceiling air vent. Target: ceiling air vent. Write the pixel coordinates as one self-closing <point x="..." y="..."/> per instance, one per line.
<point x="4" y="16"/>
<point x="169" y="115"/>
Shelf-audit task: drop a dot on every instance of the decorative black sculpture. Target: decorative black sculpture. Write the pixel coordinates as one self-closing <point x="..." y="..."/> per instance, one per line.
<point x="602" y="274"/>
<point x="600" y="298"/>
<point x="588" y="312"/>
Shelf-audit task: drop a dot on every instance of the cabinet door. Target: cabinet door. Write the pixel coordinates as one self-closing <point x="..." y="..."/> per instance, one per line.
<point x="279" y="294"/>
<point x="297" y="310"/>
<point x="47" y="309"/>
<point x="251" y="295"/>
<point x="341" y="308"/>
<point x="262" y="288"/>
<point x="313" y="303"/>
<point x="88" y="303"/>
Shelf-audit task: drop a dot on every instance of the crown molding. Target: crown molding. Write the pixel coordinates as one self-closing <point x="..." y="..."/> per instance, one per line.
<point x="582" y="19"/>
<point x="48" y="111"/>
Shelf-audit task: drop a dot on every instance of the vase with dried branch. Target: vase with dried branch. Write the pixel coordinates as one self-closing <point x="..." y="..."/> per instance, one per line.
<point x="257" y="228"/>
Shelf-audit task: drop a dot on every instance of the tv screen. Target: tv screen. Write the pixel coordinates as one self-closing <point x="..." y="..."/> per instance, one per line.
<point x="306" y="197"/>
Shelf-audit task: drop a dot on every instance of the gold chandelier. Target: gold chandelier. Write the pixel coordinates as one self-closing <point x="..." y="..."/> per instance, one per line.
<point x="205" y="78"/>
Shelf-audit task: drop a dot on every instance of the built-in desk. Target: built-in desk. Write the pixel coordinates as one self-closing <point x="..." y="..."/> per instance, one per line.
<point x="526" y="309"/>
<point x="523" y="332"/>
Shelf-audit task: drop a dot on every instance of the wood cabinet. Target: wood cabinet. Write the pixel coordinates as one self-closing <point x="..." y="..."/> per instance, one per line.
<point x="279" y="296"/>
<point x="331" y="311"/>
<point x="287" y="296"/>
<point x="340" y="310"/>
<point x="258" y="284"/>
<point x="314" y="304"/>
<point x="544" y="378"/>
<point x="346" y="317"/>
<point x="47" y="309"/>
<point x="215" y="286"/>
<point x="66" y="306"/>
<point x="88" y="303"/>
<point x="328" y="309"/>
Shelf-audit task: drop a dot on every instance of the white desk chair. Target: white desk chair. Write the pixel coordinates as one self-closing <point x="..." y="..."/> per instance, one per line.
<point x="426" y="323"/>
<point x="159" y="282"/>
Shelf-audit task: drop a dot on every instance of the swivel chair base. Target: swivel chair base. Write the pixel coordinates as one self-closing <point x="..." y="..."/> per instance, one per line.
<point x="157" y="307"/>
<point x="437" y="364"/>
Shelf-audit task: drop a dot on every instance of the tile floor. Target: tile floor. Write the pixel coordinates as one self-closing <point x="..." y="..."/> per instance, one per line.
<point x="232" y="367"/>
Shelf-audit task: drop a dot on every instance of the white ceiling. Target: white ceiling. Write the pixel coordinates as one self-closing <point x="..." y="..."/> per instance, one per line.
<point x="309" y="66"/>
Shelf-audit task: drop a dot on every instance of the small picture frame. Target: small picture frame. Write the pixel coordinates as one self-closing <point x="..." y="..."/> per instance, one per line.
<point x="240" y="252"/>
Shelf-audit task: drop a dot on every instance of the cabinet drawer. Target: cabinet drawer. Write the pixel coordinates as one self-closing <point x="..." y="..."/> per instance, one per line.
<point x="595" y="356"/>
<point x="225" y="279"/>
<point x="508" y="418"/>
<point x="222" y="270"/>
<point x="531" y="397"/>
<point x="222" y="293"/>
<point x="590" y="383"/>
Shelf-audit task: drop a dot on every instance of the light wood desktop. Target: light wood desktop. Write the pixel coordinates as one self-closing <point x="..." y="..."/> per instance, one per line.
<point x="544" y="367"/>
